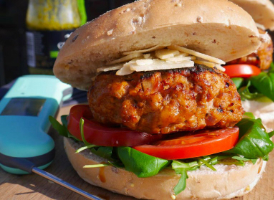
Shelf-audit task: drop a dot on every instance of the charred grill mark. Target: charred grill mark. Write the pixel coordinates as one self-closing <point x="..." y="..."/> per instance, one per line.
<point x="143" y="89"/>
<point x="147" y="75"/>
<point x="220" y="109"/>
<point x="176" y="70"/>
<point x="200" y="69"/>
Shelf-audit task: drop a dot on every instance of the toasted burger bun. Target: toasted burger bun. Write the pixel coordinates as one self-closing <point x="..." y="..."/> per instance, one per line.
<point x="218" y="28"/>
<point x="227" y="182"/>
<point x="263" y="110"/>
<point x="262" y="11"/>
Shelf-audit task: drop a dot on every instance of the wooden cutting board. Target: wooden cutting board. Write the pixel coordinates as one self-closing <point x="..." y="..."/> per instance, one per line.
<point x="22" y="187"/>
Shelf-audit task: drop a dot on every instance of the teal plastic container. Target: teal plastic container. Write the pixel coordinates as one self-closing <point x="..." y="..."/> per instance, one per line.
<point x="24" y="123"/>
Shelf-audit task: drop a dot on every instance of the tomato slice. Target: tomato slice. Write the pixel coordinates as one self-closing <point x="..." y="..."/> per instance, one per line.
<point x="242" y="70"/>
<point x="203" y="143"/>
<point x="102" y="135"/>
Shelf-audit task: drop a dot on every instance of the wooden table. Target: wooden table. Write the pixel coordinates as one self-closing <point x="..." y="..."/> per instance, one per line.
<point x="22" y="187"/>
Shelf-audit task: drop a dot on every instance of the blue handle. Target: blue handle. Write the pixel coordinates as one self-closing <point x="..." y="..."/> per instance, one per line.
<point x="24" y="136"/>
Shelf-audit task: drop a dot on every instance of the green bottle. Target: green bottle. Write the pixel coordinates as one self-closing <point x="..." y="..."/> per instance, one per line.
<point x="49" y="24"/>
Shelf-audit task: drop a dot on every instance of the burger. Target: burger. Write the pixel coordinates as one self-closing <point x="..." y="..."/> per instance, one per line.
<point x="262" y="11"/>
<point x="253" y="73"/>
<point x="163" y="120"/>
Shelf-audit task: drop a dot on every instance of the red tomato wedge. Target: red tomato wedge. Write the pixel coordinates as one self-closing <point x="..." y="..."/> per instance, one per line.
<point x="200" y="144"/>
<point x="242" y="70"/>
<point x="102" y="135"/>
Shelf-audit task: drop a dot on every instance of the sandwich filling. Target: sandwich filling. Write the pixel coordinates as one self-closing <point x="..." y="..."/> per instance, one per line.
<point x="160" y="58"/>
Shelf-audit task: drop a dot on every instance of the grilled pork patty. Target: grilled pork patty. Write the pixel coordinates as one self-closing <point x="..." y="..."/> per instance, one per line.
<point x="166" y="101"/>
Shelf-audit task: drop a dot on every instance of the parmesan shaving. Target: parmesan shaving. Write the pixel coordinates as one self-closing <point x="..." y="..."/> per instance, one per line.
<point x="210" y="64"/>
<point x="180" y="58"/>
<point x="160" y="58"/>
<point x="197" y="54"/>
<point x="125" y="70"/>
<point x="219" y="67"/>
<point x="144" y="50"/>
<point x="113" y="68"/>
<point x="125" y="58"/>
<point x="144" y="61"/>
<point x="166" y="53"/>
<point x="161" y="65"/>
<point x="147" y="56"/>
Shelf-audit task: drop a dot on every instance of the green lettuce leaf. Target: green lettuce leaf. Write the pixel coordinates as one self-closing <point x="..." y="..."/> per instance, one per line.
<point x="182" y="168"/>
<point x="264" y="83"/>
<point x="61" y="129"/>
<point x="82" y="121"/>
<point x="104" y="152"/>
<point x="254" y="141"/>
<point x="181" y="185"/>
<point x="248" y="92"/>
<point x="271" y="134"/>
<point x="242" y="159"/>
<point x="249" y="115"/>
<point x="139" y="163"/>
<point x="238" y="82"/>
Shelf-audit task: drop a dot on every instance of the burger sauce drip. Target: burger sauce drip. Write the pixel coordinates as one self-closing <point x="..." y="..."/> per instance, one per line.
<point x="102" y="174"/>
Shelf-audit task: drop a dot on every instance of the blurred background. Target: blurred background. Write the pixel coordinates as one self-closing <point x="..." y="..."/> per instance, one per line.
<point x="14" y="57"/>
<point x="13" y="27"/>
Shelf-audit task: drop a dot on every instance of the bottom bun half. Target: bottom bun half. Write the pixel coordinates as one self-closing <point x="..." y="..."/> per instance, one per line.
<point x="263" y="110"/>
<point x="227" y="182"/>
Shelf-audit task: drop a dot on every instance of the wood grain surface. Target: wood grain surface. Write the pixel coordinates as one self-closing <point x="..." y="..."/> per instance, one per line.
<point x="32" y="186"/>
